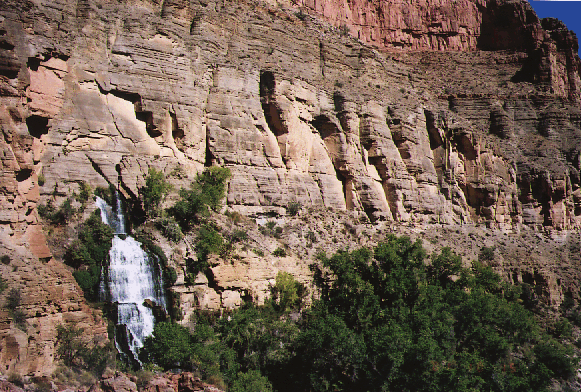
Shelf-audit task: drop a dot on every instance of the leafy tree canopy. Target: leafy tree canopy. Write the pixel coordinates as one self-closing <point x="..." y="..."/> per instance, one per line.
<point x="206" y="193"/>
<point x="392" y="320"/>
<point x="154" y="192"/>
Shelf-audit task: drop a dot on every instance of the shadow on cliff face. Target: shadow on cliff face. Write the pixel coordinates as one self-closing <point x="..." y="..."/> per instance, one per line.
<point x="508" y="25"/>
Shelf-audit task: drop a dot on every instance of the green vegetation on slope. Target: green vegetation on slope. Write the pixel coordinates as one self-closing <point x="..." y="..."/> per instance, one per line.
<point x="206" y="193"/>
<point x="154" y="192"/>
<point x="89" y="253"/>
<point x="385" y="321"/>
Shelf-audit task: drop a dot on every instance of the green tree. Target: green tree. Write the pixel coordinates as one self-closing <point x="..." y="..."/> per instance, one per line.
<point x="154" y="192"/>
<point x="89" y="253"/>
<point x="13" y="299"/>
<point x="77" y="350"/>
<point x="169" y="346"/>
<point x="174" y="346"/>
<point x="386" y="321"/>
<point x="259" y="338"/>
<point x="206" y="194"/>
<point x="251" y="381"/>
<point x="287" y="293"/>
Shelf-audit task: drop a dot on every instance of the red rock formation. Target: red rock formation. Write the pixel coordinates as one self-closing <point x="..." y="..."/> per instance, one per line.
<point x="398" y="24"/>
<point x="462" y="121"/>
<point x="466" y="25"/>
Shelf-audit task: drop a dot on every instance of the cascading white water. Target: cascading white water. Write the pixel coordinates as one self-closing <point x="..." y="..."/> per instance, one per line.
<point x="130" y="280"/>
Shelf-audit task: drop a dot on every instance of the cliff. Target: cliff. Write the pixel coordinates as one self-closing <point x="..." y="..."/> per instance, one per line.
<point x="457" y="115"/>
<point x="441" y="25"/>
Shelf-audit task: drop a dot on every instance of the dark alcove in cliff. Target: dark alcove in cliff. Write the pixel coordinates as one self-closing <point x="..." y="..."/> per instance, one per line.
<point x="37" y="126"/>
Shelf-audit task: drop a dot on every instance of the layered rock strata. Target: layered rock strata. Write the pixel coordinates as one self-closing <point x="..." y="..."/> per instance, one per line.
<point x="469" y="25"/>
<point x="455" y="127"/>
<point x="344" y="126"/>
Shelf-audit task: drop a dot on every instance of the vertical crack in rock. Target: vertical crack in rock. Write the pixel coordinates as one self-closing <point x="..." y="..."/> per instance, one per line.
<point x="177" y="133"/>
<point x="377" y="159"/>
<point x="322" y="58"/>
<point x="209" y="157"/>
<point x="272" y="113"/>
<point x="439" y="145"/>
<point x="330" y="134"/>
<point x="97" y="168"/>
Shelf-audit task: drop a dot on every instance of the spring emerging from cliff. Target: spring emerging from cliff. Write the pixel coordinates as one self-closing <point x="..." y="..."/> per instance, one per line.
<point x="131" y="283"/>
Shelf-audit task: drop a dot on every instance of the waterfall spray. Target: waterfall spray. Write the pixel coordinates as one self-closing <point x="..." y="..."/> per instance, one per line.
<point x="129" y="281"/>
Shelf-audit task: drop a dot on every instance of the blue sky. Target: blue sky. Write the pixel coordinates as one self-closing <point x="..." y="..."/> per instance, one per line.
<point x="568" y="11"/>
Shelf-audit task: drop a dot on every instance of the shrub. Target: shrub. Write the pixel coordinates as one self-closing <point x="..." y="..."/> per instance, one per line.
<point x="563" y="328"/>
<point x="251" y="381"/>
<point x="42" y="385"/>
<point x="235" y="216"/>
<point x="279" y="252"/>
<point x="46" y="210"/>
<point x="88" y="280"/>
<point x="154" y="192"/>
<point x="57" y="217"/>
<point x="78" y="352"/>
<point x="84" y="194"/>
<point x="13" y="299"/>
<point x="69" y="344"/>
<point x="170" y="229"/>
<point x="344" y="30"/>
<point x="209" y="241"/>
<point x="169" y="346"/>
<point x="177" y="172"/>
<point x="271" y="229"/>
<point x="89" y="253"/>
<point x="486" y="254"/>
<point x="15" y="378"/>
<point x="5" y="259"/>
<point x="170" y="276"/>
<point x="3" y="285"/>
<point x="19" y="318"/>
<point x="107" y="194"/>
<point x="143" y="377"/>
<point x="239" y="236"/>
<point x="206" y="194"/>
<point x="300" y="14"/>
<point x="64" y="213"/>
<point x="173" y="346"/>
<point x="41" y="179"/>
<point x="293" y="208"/>
<point x="93" y="244"/>
<point x="287" y="293"/>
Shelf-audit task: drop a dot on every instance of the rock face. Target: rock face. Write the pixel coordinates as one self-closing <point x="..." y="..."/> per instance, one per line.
<point x="449" y="123"/>
<point x="465" y="25"/>
<point x="168" y="382"/>
<point x="168" y="86"/>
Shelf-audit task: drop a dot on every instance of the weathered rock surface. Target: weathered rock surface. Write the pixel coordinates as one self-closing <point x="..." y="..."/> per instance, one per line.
<point x="179" y="90"/>
<point x="454" y="124"/>
<point x="466" y="25"/>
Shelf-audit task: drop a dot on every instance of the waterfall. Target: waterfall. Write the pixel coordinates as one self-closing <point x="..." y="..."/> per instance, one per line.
<point x="129" y="281"/>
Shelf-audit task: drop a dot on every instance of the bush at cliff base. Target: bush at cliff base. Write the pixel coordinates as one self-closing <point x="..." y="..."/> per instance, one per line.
<point x="388" y="321"/>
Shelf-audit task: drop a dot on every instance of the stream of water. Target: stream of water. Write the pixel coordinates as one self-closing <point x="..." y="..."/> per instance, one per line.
<point x="129" y="280"/>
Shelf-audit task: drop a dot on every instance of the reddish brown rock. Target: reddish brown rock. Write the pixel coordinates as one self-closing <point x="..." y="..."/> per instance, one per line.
<point x="6" y="386"/>
<point x="119" y="383"/>
<point x="467" y="115"/>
